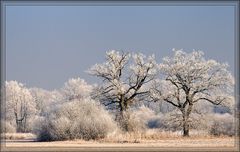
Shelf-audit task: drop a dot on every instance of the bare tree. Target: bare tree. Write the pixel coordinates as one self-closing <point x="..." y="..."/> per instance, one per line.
<point x="124" y="80"/>
<point x="188" y="79"/>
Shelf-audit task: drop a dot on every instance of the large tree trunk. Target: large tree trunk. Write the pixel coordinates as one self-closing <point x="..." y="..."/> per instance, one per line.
<point x="185" y="120"/>
<point x="185" y="127"/>
<point x="123" y="120"/>
<point x="123" y="116"/>
<point x="20" y="127"/>
<point x="20" y="123"/>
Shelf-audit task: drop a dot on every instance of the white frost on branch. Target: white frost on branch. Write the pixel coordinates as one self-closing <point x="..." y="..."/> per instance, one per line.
<point x="189" y="78"/>
<point x="190" y="72"/>
<point x="20" y="106"/>
<point x="125" y="77"/>
<point x="76" y="88"/>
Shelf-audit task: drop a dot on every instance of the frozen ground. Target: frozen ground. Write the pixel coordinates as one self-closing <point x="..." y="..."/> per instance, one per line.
<point x="150" y="141"/>
<point x="214" y="143"/>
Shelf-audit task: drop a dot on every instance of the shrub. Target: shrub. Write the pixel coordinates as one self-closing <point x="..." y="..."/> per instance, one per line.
<point x="172" y="121"/>
<point x="168" y="121"/>
<point x="76" y="120"/>
<point x="8" y="127"/>
<point x="222" y="124"/>
<point x="137" y="119"/>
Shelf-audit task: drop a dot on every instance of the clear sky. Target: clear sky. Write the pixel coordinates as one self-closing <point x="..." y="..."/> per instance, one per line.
<point x="47" y="45"/>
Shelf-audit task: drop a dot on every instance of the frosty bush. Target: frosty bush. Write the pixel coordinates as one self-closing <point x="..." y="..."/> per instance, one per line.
<point x="137" y="119"/>
<point x="214" y="124"/>
<point x="172" y="121"/>
<point x="222" y="124"/>
<point x="83" y="119"/>
<point x="8" y="127"/>
<point x="165" y="121"/>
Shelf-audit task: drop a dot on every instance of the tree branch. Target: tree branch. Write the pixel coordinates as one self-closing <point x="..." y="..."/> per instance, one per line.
<point x="218" y="101"/>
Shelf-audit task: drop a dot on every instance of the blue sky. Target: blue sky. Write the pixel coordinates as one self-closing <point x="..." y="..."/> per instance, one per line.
<point x="47" y="45"/>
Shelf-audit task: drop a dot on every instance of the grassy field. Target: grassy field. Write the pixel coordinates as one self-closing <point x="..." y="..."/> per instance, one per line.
<point x="183" y="142"/>
<point x="127" y="143"/>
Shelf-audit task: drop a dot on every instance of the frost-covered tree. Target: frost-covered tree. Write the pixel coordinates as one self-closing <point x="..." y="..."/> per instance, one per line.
<point x="76" y="88"/>
<point x="125" y="78"/>
<point x="42" y="99"/>
<point x="189" y="78"/>
<point x="19" y="105"/>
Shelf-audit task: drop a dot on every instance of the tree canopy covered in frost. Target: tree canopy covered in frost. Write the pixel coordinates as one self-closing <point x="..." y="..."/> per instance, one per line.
<point x="189" y="78"/>
<point x="19" y="105"/>
<point x="42" y="99"/>
<point x="76" y="88"/>
<point x="125" y="77"/>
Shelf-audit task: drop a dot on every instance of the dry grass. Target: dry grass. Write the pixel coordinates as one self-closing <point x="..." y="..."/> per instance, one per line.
<point x="169" y="143"/>
<point x="154" y="135"/>
<point x="18" y="136"/>
<point x="152" y="138"/>
<point x="130" y="137"/>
